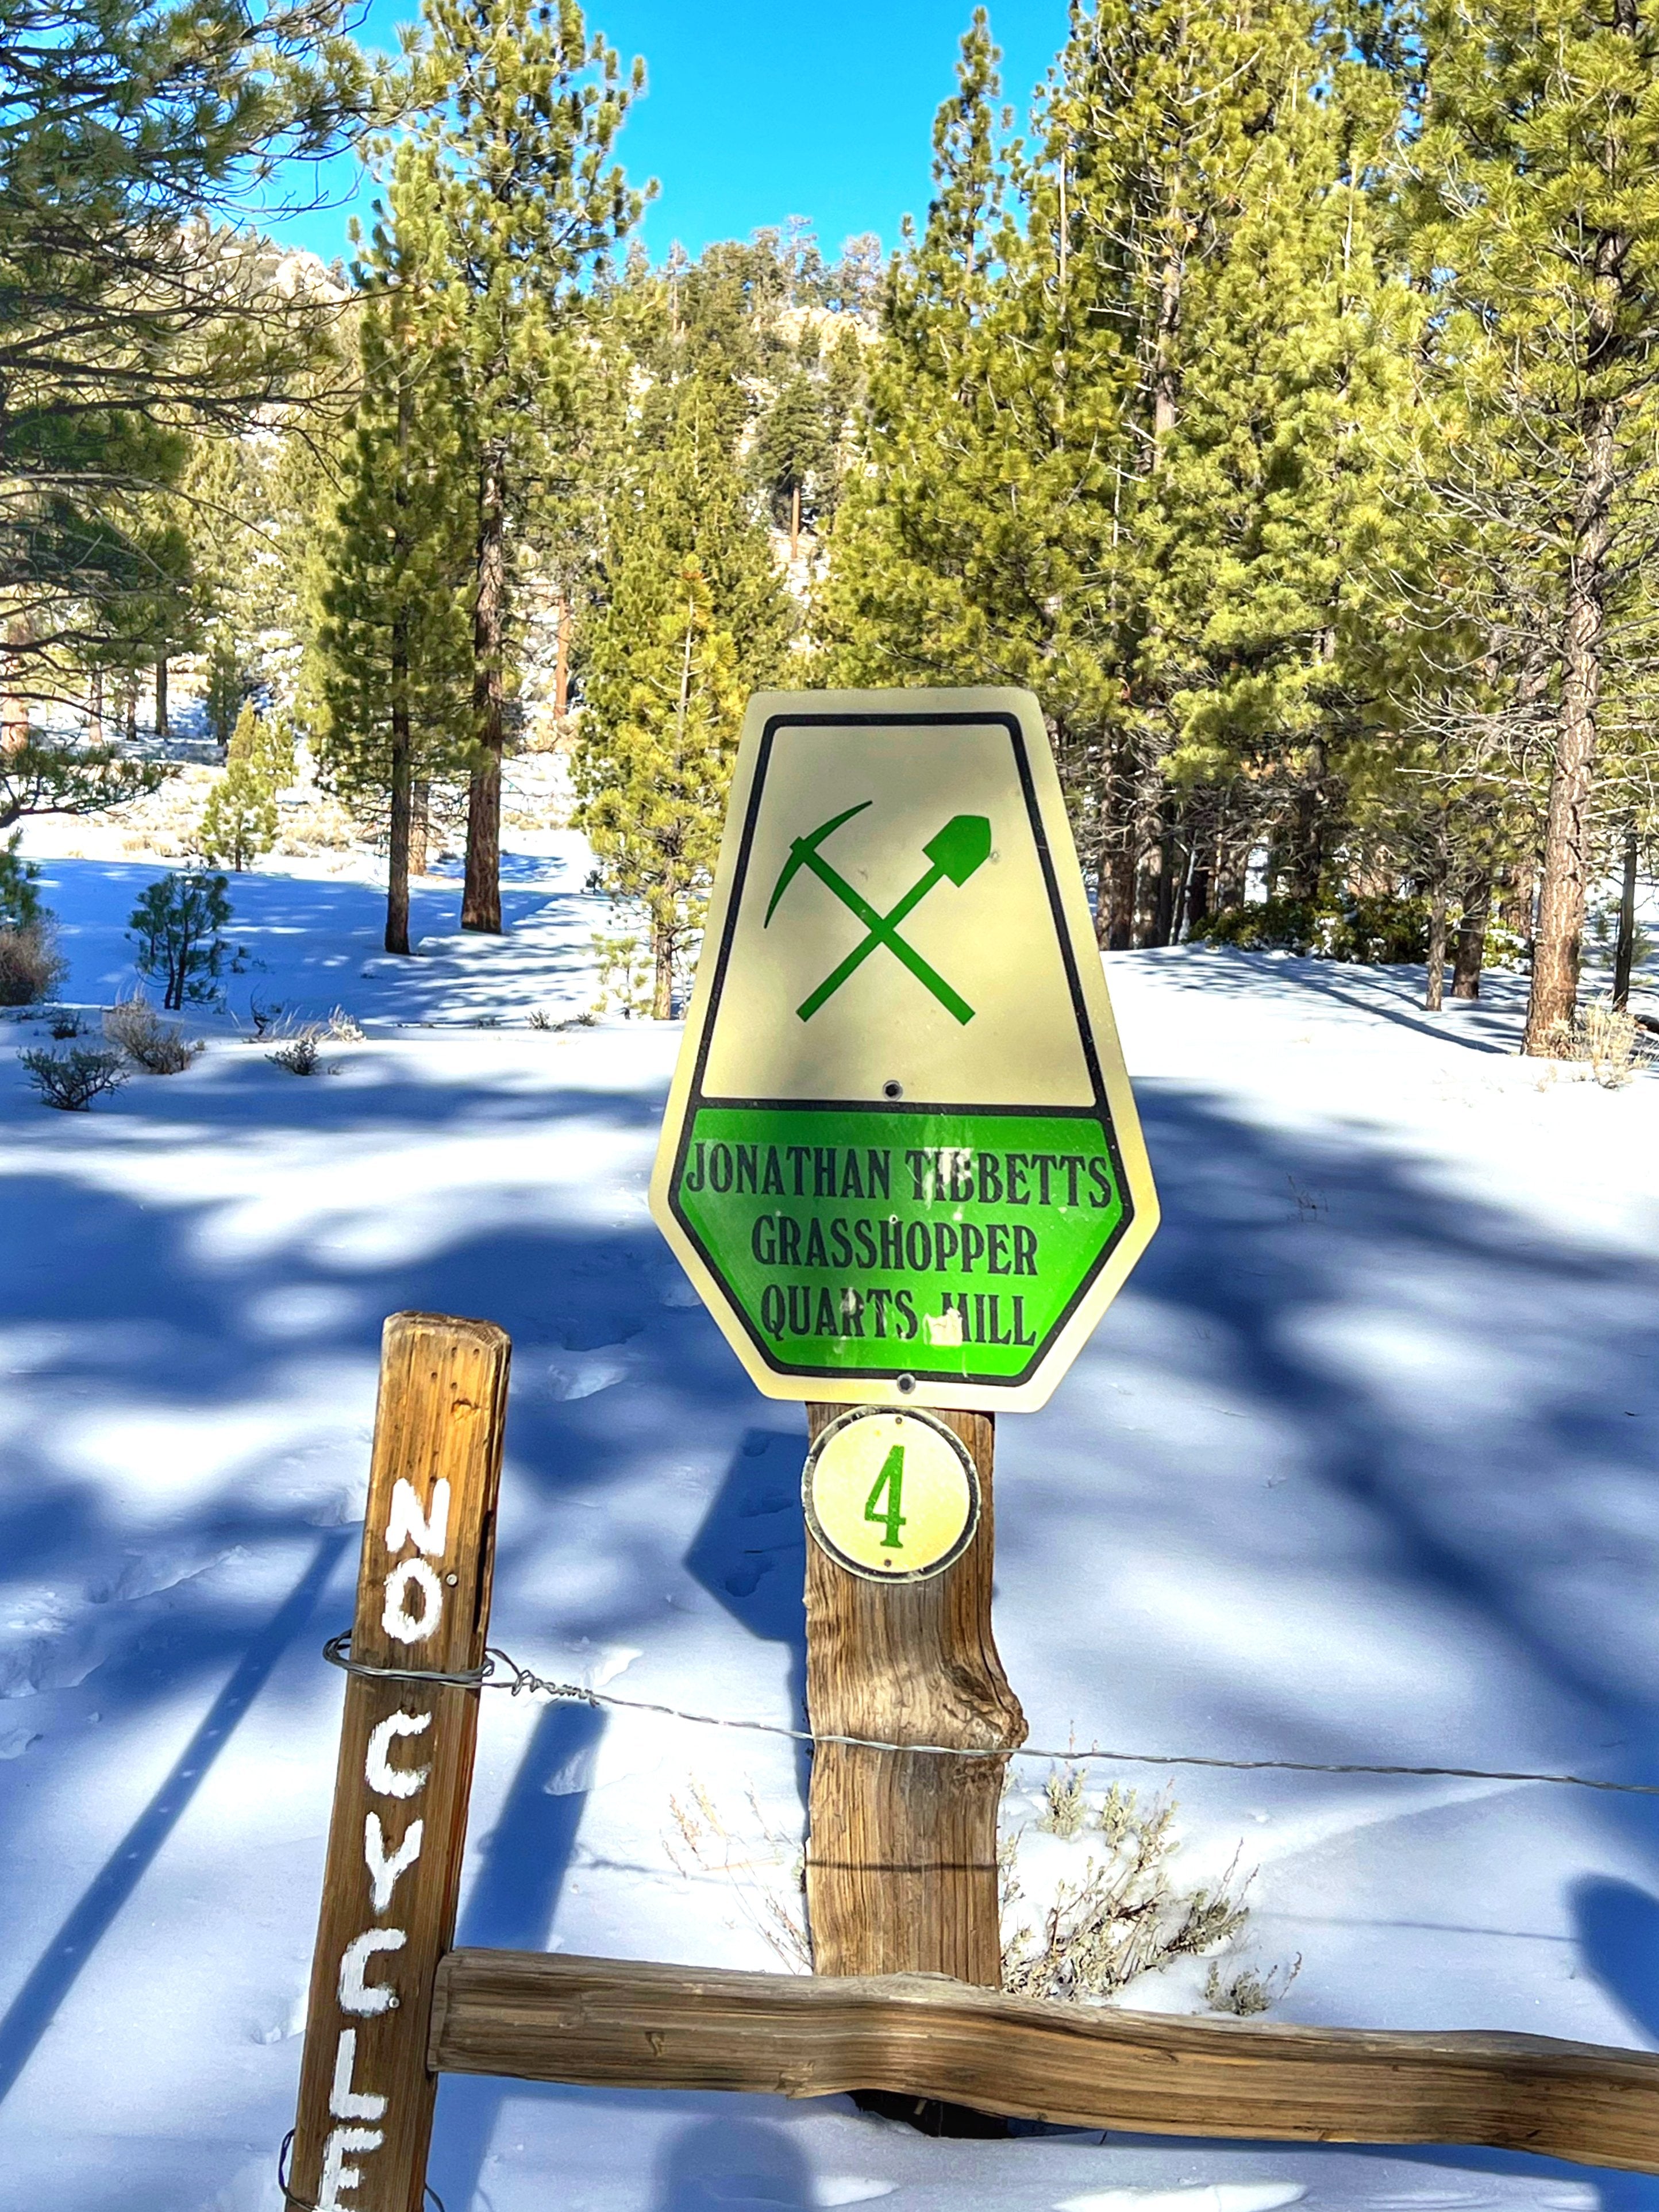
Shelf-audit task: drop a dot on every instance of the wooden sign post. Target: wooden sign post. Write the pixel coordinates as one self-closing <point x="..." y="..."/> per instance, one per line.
<point x="902" y="1850"/>
<point x="901" y="1164"/>
<point x="406" y="1743"/>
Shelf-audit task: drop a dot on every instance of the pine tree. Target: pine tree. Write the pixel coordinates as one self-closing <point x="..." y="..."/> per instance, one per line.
<point x="1082" y="473"/>
<point x="387" y="670"/>
<point x="138" y="315"/>
<point x="693" y="617"/>
<point x="525" y="111"/>
<point x="1534" y="190"/>
<point x="239" y="822"/>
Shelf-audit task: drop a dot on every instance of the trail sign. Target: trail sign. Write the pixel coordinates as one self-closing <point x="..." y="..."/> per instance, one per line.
<point x="901" y="1160"/>
<point x="893" y="1498"/>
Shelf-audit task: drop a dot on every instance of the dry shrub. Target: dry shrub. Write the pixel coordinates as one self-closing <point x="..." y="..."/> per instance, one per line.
<point x="1246" y="1991"/>
<point x="1124" y="1916"/>
<point x="1610" y="1043"/>
<point x="71" y="1080"/>
<point x="301" y="1055"/>
<point x="30" y="969"/>
<point x="160" y="1048"/>
<point x="1066" y="1803"/>
<point x="770" y="1888"/>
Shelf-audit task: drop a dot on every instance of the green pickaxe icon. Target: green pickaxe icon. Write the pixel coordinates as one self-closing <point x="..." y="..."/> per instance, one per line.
<point x="961" y="846"/>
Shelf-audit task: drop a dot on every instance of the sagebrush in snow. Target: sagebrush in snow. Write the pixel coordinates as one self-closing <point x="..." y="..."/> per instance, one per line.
<point x="767" y="1870"/>
<point x="1065" y="1806"/>
<point x="1123" y="1915"/>
<point x="301" y="1055"/>
<point x="160" y="1048"/>
<point x="71" y="1080"/>
<point x="30" y="969"/>
<point x="1245" y="1991"/>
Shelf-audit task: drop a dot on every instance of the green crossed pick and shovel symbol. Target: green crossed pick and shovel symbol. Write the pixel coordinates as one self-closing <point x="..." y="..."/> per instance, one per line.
<point x="954" y="853"/>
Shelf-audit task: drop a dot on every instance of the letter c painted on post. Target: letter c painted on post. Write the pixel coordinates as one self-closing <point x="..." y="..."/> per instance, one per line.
<point x="355" y="1995"/>
<point x="379" y="1772"/>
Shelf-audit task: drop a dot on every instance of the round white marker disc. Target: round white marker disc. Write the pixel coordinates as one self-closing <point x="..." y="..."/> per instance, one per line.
<point x="891" y="1496"/>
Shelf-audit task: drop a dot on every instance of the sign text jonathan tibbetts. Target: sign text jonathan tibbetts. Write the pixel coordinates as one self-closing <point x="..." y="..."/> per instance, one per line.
<point x="901" y="1159"/>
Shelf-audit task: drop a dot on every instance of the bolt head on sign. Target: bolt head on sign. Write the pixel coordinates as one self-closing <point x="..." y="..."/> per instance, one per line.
<point x="893" y="1498"/>
<point x="901" y="1160"/>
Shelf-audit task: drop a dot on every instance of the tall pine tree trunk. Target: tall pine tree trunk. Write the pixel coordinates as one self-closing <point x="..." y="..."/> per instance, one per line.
<point x="1198" y="891"/>
<point x="1516" y="886"/>
<point x="1471" y="949"/>
<point x="161" y="694"/>
<point x="397" y="886"/>
<point x="1307" y="831"/>
<point x="1564" y="877"/>
<point x="1566" y="859"/>
<point x="561" y="663"/>
<point x="481" y="898"/>
<point x="662" y="974"/>
<point x="1433" y="997"/>
<point x="1624" y="957"/>
<point x="419" y="825"/>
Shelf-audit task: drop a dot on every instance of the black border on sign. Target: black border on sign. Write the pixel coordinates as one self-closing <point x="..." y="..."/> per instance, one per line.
<point x="1100" y="1112"/>
<point x="833" y="1551"/>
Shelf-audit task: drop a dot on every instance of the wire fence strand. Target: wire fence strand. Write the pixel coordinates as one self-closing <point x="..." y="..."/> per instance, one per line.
<point x="522" y="1681"/>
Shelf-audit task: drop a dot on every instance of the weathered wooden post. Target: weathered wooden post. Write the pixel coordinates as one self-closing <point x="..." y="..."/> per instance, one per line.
<point x="902" y="1851"/>
<point x="901" y="1164"/>
<point x="406" y="1741"/>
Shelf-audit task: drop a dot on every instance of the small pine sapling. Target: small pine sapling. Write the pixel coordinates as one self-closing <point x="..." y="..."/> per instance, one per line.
<point x="21" y="905"/>
<point x="177" y="926"/>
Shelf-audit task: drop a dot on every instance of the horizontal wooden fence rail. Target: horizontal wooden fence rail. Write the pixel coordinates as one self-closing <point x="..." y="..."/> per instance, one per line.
<point x="613" y="2023"/>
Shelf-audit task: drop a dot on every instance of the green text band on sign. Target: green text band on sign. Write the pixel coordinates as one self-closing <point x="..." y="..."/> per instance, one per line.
<point x="925" y="1183"/>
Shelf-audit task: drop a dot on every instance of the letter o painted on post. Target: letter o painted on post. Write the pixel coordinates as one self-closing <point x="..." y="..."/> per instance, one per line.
<point x="397" y="1620"/>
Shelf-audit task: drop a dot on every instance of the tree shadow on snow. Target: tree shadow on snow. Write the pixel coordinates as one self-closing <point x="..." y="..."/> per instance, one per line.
<point x="733" y="2165"/>
<point x="510" y="1907"/>
<point x="145" y="1317"/>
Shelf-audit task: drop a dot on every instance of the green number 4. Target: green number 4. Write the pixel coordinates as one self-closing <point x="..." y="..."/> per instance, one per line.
<point x="890" y="1480"/>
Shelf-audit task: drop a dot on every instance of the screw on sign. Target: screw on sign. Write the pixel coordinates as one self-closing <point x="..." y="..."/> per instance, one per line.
<point x="901" y="1164"/>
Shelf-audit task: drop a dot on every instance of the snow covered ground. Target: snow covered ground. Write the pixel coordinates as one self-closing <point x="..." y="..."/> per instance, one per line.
<point x="1361" y="1467"/>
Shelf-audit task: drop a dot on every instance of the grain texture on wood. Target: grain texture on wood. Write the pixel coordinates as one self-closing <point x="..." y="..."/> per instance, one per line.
<point x="613" y="2023"/>
<point x="400" y="1794"/>
<point x="902" y="1852"/>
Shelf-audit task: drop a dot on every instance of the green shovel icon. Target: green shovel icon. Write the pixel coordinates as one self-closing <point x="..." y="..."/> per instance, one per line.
<point x="954" y="853"/>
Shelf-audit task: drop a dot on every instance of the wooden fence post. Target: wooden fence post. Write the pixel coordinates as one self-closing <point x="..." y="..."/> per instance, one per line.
<point x="902" y="1851"/>
<point x="400" y="1793"/>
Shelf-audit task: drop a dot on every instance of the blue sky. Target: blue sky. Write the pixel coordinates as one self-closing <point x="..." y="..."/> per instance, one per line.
<point x="758" y="109"/>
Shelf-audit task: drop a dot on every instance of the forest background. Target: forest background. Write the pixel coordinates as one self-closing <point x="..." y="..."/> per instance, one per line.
<point x="1276" y="399"/>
